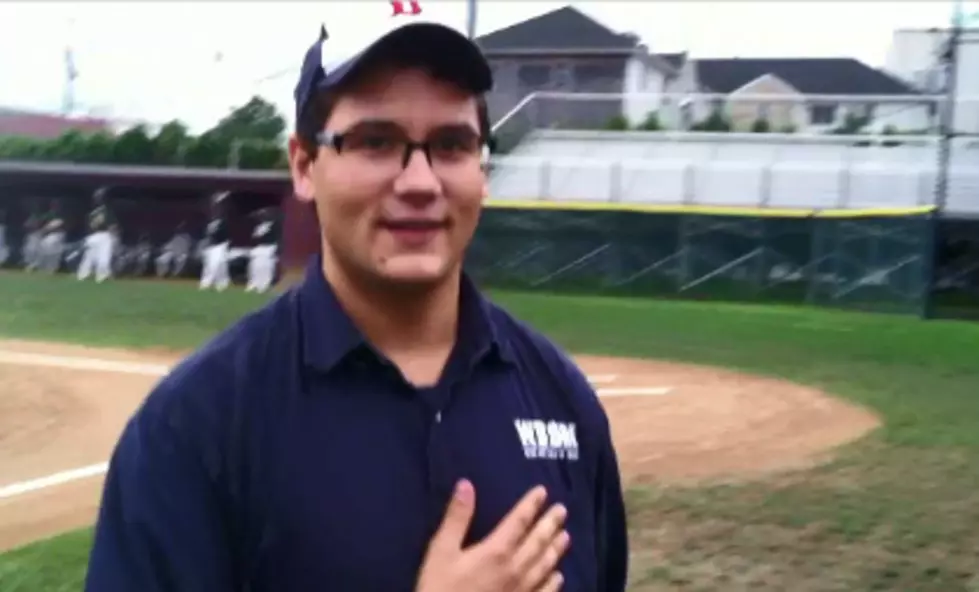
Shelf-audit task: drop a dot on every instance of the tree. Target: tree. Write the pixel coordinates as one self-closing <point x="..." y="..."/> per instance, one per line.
<point x="99" y="147"/>
<point x="852" y="124"/>
<point x="249" y="137"/>
<point x="651" y="123"/>
<point x="134" y="146"/>
<point x="18" y="148"/>
<point x="715" y="122"/>
<point x="171" y="143"/>
<point x="255" y="120"/>
<point x="761" y="126"/>
<point x="208" y="151"/>
<point x="617" y="123"/>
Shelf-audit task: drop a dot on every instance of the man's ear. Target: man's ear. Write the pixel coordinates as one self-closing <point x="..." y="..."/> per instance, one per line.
<point x="300" y="167"/>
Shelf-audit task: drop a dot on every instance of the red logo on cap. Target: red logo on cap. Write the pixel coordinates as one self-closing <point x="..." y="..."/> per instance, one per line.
<point x="414" y="7"/>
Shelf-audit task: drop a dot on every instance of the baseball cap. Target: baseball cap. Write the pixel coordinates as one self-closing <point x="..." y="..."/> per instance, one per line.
<point x="407" y="39"/>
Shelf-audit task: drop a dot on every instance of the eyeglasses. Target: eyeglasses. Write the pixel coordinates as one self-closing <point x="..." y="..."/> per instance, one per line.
<point x="386" y="144"/>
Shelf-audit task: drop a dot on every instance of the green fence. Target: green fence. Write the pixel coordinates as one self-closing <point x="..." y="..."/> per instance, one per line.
<point x="873" y="259"/>
<point x="956" y="287"/>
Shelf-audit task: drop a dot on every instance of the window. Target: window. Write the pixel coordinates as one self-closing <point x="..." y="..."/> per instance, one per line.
<point x="822" y="114"/>
<point x="864" y="111"/>
<point x="595" y="75"/>
<point x="562" y="77"/>
<point x="534" y="75"/>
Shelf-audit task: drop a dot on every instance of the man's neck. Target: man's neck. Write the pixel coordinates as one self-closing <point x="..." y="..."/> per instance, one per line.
<point x="399" y="321"/>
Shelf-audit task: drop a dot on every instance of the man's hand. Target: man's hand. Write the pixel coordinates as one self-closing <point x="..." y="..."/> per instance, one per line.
<point x="520" y="555"/>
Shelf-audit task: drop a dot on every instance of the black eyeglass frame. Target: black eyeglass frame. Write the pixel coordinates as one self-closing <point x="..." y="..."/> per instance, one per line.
<point x="335" y="140"/>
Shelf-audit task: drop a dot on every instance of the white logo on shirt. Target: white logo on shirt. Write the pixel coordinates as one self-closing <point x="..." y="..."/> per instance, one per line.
<point x="547" y="439"/>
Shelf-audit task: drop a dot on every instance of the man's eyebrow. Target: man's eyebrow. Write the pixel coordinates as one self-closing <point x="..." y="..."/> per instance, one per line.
<point x="459" y="128"/>
<point x="388" y="125"/>
<point x="382" y="123"/>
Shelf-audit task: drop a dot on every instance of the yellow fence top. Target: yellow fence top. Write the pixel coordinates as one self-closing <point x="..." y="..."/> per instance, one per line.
<point x="707" y="210"/>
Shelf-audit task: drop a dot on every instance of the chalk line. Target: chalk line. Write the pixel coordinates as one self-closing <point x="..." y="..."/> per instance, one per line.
<point x="51" y="480"/>
<point x="78" y="363"/>
<point x="639" y="391"/>
<point x="602" y="378"/>
<point x="96" y="364"/>
<point x="100" y="365"/>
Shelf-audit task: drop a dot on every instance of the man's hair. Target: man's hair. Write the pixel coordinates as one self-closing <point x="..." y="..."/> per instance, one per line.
<point x="314" y="117"/>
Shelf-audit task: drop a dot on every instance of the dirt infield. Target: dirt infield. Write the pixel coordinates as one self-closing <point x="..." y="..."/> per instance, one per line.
<point x="62" y="408"/>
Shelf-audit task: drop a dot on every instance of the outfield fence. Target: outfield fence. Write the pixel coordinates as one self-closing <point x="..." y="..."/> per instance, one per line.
<point x="871" y="259"/>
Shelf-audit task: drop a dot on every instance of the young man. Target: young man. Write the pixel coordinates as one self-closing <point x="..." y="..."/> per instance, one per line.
<point x="97" y="249"/>
<point x="382" y="426"/>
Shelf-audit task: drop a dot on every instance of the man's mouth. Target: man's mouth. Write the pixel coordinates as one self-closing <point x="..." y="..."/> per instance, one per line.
<point x="414" y="232"/>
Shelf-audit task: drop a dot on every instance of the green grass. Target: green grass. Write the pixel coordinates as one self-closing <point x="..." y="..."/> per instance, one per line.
<point x="897" y="511"/>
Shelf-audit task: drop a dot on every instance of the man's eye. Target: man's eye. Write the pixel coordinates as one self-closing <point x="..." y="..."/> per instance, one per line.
<point x="374" y="142"/>
<point x="453" y="145"/>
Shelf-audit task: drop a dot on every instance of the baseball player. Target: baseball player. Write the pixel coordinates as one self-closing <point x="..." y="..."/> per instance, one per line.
<point x="4" y="249"/>
<point x="142" y="253"/>
<point x="33" y="232"/>
<point x="174" y="254"/>
<point x="261" y="256"/>
<point x="51" y="247"/>
<point x="383" y="425"/>
<point x="214" y="271"/>
<point x="98" y="247"/>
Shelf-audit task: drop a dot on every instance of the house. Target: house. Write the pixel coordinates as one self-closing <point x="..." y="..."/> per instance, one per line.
<point x="566" y="51"/>
<point x="16" y="122"/>
<point x="916" y="56"/>
<point x="742" y="81"/>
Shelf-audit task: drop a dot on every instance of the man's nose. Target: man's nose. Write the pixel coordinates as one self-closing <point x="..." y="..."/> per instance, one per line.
<point x="418" y="177"/>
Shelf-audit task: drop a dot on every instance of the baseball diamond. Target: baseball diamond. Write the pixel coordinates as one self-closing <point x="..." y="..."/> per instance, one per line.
<point x="525" y="353"/>
<point x="702" y="448"/>
<point x="63" y="408"/>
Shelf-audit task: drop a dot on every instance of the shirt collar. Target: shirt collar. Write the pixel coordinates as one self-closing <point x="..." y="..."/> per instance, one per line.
<point x="329" y="334"/>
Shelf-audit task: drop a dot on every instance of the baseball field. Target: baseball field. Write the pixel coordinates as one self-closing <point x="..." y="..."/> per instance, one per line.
<point x="763" y="448"/>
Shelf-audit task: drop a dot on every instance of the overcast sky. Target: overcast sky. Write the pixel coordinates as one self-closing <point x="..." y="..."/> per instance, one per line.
<point x="195" y="60"/>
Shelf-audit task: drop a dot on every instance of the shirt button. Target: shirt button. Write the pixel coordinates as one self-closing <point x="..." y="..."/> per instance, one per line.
<point x="438" y="417"/>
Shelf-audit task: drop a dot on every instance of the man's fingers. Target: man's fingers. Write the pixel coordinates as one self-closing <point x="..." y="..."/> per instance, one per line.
<point x="553" y="583"/>
<point x="536" y="573"/>
<point x="540" y="537"/>
<point x="458" y="516"/>
<point x="514" y="526"/>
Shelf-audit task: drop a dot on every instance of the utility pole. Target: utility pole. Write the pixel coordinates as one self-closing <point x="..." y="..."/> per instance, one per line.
<point x="70" y="73"/>
<point x="950" y="59"/>
<point x="471" y="18"/>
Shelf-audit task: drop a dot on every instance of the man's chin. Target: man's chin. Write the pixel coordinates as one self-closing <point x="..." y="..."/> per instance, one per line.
<point x="415" y="269"/>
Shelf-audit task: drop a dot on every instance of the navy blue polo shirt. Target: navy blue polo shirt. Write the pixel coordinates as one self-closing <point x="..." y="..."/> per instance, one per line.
<point x="288" y="455"/>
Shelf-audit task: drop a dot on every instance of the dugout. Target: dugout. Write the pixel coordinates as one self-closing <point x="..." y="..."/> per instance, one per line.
<point x="149" y="200"/>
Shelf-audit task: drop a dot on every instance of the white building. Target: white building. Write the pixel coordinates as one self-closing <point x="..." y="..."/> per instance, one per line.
<point x="915" y="56"/>
<point x="607" y="75"/>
